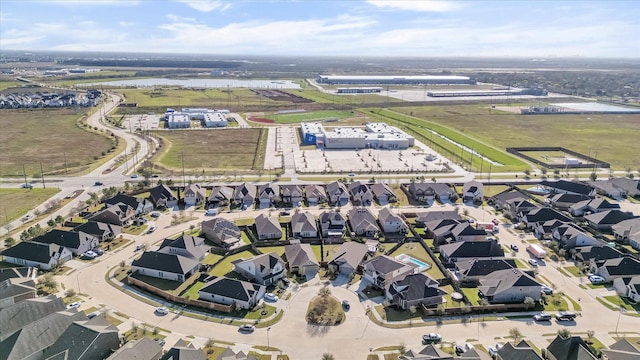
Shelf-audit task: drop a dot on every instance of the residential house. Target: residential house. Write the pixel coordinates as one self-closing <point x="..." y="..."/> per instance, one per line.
<point x="544" y="230"/>
<point x="162" y="197"/>
<point x="541" y="215"/>
<point x="223" y="290"/>
<point x="360" y="193"/>
<point x="265" y="269"/>
<point x="568" y="187"/>
<point x="623" y="349"/>
<point x="182" y="351"/>
<point x="337" y="194"/>
<point x="14" y="290"/>
<point x="430" y="352"/>
<point x="85" y="340"/>
<point x="514" y="207"/>
<point x="347" y="258"/>
<point x="473" y="191"/>
<point x="425" y="217"/>
<point x="592" y="206"/>
<point x="592" y="254"/>
<point x="500" y="200"/>
<point x="221" y="232"/>
<point x="164" y="266"/>
<point x="383" y="193"/>
<point x="573" y="348"/>
<point x="244" y="195"/>
<point x="414" y="290"/>
<point x="119" y="214"/>
<point x="457" y="230"/>
<point x="363" y="222"/>
<point x="229" y="354"/>
<point x="475" y="354"/>
<point x="42" y="256"/>
<point x="440" y="230"/>
<point x="268" y="195"/>
<point x="332" y="224"/>
<point x="391" y="223"/>
<point x="77" y="242"/>
<point x="191" y="247"/>
<point x="142" y="349"/>
<point x="100" y="230"/>
<point x="564" y="201"/>
<point x="292" y="194"/>
<point x="303" y="225"/>
<point x="603" y="221"/>
<point x="140" y="205"/>
<point x="429" y="192"/>
<point x="301" y="258"/>
<point x="612" y="269"/>
<point x="464" y="250"/>
<point x="315" y="194"/>
<point x="472" y="270"/>
<point x="382" y="270"/>
<point x="194" y="194"/>
<point x="15" y="316"/>
<point x="625" y="229"/>
<point x="509" y="286"/>
<point x="220" y="196"/>
<point x="629" y="287"/>
<point x="617" y="187"/>
<point x="570" y="235"/>
<point x="521" y="351"/>
<point x="268" y="228"/>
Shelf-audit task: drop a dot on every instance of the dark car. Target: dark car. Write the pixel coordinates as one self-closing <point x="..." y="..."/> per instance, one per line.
<point x="345" y="304"/>
<point x="514" y="247"/>
<point x="98" y="183"/>
<point x="459" y="349"/>
<point x="284" y="213"/>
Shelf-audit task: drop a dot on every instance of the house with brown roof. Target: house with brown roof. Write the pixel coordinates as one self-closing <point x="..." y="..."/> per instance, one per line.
<point x="382" y="270"/>
<point x="292" y="195"/>
<point x="425" y="217"/>
<point x="363" y="222"/>
<point x="348" y="257"/>
<point x="473" y="191"/>
<point x="119" y="214"/>
<point x="301" y="258"/>
<point x="222" y="232"/>
<point x="192" y="247"/>
<point x="429" y="192"/>
<point x="244" y="195"/>
<point x="383" y="193"/>
<point x="304" y="225"/>
<point x="315" y="194"/>
<point x="220" y="196"/>
<point x="194" y="194"/>
<point x="268" y="228"/>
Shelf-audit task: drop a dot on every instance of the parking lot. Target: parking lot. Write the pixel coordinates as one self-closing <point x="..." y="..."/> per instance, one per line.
<point x="141" y="122"/>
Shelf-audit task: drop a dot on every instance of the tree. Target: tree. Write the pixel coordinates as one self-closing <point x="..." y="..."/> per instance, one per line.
<point x="527" y="172"/>
<point x="327" y="356"/>
<point x="515" y="334"/>
<point x="59" y="219"/>
<point x="529" y="301"/>
<point x="543" y="171"/>
<point x="593" y="176"/>
<point x="70" y="293"/>
<point x="564" y="333"/>
<point x="324" y="292"/>
<point x="590" y="334"/>
<point x="402" y="348"/>
<point x="8" y="242"/>
<point x="51" y="223"/>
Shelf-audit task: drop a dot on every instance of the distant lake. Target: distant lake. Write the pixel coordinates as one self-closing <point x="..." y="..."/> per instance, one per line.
<point x="203" y="83"/>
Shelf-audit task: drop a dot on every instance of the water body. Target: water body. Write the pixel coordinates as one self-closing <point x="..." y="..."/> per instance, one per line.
<point x="203" y="83"/>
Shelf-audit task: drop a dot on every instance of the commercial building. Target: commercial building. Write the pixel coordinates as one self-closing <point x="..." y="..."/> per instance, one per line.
<point x="178" y="120"/>
<point x="208" y="117"/>
<point x="359" y="90"/>
<point x="372" y="136"/>
<point x="394" y="79"/>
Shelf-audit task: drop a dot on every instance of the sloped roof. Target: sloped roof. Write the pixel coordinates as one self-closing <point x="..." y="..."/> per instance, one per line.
<point x="571" y="348"/>
<point x="264" y="263"/>
<point x="181" y="351"/>
<point x="609" y="217"/>
<point x="32" y="251"/>
<point x="68" y="239"/>
<point x="269" y="190"/>
<point x="481" y="267"/>
<point x="336" y="188"/>
<point x="16" y="286"/>
<point x="350" y="253"/>
<point x="570" y="186"/>
<point x="509" y="195"/>
<point x="86" y="340"/>
<point x="544" y="214"/>
<point x="381" y="189"/>
<point x="428" y="216"/>
<point x="196" y="190"/>
<point x="231" y="288"/>
<point x="384" y="264"/>
<point x="299" y="254"/>
<point x="587" y="253"/>
<point x="245" y="191"/>
<point x="170" y="263"/>
<point x="475" y="354"/>
<point x="97" y="228"/>
<point x="142" y="349"/>
<point x="14" y="317"/>
<point x="132" y="201"/>
<point x="362" y="218"/>
<point x="222" y="228"/>
<point x="622" y="349"/>
<point x="416" y="287"/>
<point x="221" y="193"/>
<point x="521" y="351"/>
<point x="315" y="191"/>
<point x="430" y="352"/>
<point x="187" y="243"/>
<point x="303" y="221"/>
<point x="385" y="214"/>
<point x="478" y="249"/>
<point x="17" y="272"/>
<point x="267" y="225"/>
<point x="503" y="280"/>
<point x="569" y="198"/>
<point x="622" y="266"/>
<point x="161" y="191"/>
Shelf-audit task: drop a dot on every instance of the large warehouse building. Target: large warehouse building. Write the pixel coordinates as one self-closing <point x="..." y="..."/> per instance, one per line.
<point x="394" y="80"/>
<point x="372" y="136"/>
<point x="209" y="118"/>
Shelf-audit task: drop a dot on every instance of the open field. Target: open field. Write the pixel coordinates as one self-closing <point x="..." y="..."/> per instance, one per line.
<point x="17" y="202"/>
<point x="310" y="116"/>
<point x="612" y="137"/>
<point x="6" y="84"/>
<point x="47" y="136"/>
<point x="222" y="149"/>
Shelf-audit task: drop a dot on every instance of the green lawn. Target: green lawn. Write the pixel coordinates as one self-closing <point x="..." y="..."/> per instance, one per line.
<point x="472" y="295"/>
<point x="624" y="303"/>
<point x="192" y="293"/>
<point x="310" y="116"/>
<point x="225" y="266"/>
<point x="268" y="249"/>
<point x="18" y="202"/>
<point x="573" y="270"/>
<point x="244" y="222"/>
<point x="211" y="258"/>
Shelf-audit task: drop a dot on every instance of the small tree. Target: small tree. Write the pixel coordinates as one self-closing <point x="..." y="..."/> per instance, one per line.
<point x="543" y="171"/>
<point x="515" y="334"/>
<point x="564" y="333"/>
<point x="440" y="309"/>
<point x="70" y="293"/>
<point x="402" y="348"/>
<point x="590" y="334"/>
<point x="593" y="176"/>
<point x="9" y="242"/>
<point x="328" y="356"/>
<point x="324" y="292"/>
<point x="529" y="301"/>
<point x="59" y="219"/>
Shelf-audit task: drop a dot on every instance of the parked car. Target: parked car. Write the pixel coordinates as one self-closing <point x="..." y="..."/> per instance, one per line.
<point x="514" y="247"/>
<point x="134" y="176"/>
<point x="155" y="214"/>
<point x="211" y="212"/>
<point x="597" y="279"/>
<point x="98" y="183"/>
<point x="27" y="217"/>
<point x="246" y="328"/>
<point x="74" y="305"/>
<point x="93" y="314"/>
<point x="26" y="186"/>
<point x="139" y="247"/>
<point x="459" y="349"/>
<point x="352" y="174"/>
<point x="495" y="222"/>
<point x="546" y="290"/>
<point x="162" y="310"/>
<point x="284" y="213"/>
<point x="271" y="297"/>
<point x="542" y="317"/>
<point x="89" y="255"/>
<point x="286" y="281"/>
<point x="346" y="305"/>
<point x="565" y="316"/>
<point x="533" y="262"/>
<point x="471" y="220"/>
<point x="431" y="338"/>
<point x="160" y="342"/>
<point x="98" y="251"/>
<point x="493" y="351"/>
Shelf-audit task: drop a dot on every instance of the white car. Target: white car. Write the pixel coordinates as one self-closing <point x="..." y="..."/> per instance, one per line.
<point x="596" y="279"/>
<point x="271" y="297"/>
<point x="211" y="212"/>
<point x="431" y="338"/>
<point x="162" y="310"/>
<point x="533" y="262"/>
<point x="89" y="254"/>
<point x="74" y="305"/>
<point x="152" y="227"/>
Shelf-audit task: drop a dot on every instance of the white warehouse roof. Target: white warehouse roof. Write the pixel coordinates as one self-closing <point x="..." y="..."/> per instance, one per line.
<point x="394" y="77"/>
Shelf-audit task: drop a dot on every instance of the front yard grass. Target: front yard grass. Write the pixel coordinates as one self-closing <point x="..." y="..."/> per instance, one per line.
<point x="192" y="293"/>
<point x="135" y="230"/>
<point x="211" y="259"/>
<point x="225" y="266"/>
<point x="623" y="302"/>
<point x="162" y="284"/>
<point x="574" y="270"/>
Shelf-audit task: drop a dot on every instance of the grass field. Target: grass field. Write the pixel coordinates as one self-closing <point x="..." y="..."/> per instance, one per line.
<point x="47" y="136"/>
<point x="221" y="149"/>
<point x="17" y="202"/>
<point x="613" y="137"/>
<point x="310" y="116"/>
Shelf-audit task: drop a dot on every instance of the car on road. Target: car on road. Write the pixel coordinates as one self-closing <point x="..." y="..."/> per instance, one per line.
<point x="134" y="176"/>
<point x="346" y="305"/>
<point x="271" y="297"/>
<point x="162" y="310"/>
<point x="246" y="328"/>
<point x="284" y="213"/>
<point x="471" y="220"/>
<point x="98" y="251"/>
<point x="514" y="247"/>
<point x="155" y="214"/>
<point x="565" y="316"/>
<point x="89" y="255"/>
<point x="546" y="290"/>
<point x="495" y="222"/>
<point x="542" y="317"/>
<point x="155" y="176"/>
<point x="92" y="315"/>
<point x="597" y="279"/>
<point x="74" y="305"/>
<point x="152" y="227"/>
<point x="140" y="247"/>
<point x="98" y="183"/>
<point x="533" y="262"/>
<point x="352" y="174"/>
<point x="211" y="212"/>
<point x="431" y="338"/>
<point x="26" y="186"/>
<point x="27" y="217"/>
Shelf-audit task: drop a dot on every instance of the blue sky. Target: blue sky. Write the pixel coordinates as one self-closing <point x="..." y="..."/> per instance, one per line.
<point x="331" y="27"/>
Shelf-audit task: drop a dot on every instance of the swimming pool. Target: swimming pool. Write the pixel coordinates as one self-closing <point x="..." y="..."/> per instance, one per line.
<point x="422" y="266"/>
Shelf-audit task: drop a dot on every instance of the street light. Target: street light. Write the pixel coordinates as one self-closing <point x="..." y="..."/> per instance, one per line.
<point x="620" y="311"/>
<point x="268" y="347"/>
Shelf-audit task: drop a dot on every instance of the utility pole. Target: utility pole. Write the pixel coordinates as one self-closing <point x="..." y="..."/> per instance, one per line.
<point x="66" y="171"/>
<point x="25" y="174"/>
<point x="183" y="181"/>
<point x="42" y="174"/>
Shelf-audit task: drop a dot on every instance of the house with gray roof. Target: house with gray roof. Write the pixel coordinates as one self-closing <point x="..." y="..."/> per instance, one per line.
<point x="391" y="223"/>
<point x="337" y="193"/>
<point x="119" y="214"/>
<point x="457" y="251"/>
<point x="292" y="194"/>
<point x="472" y="270"/>
<point x="425" y="217"/>
<point x="33" y="254"/>
<point x="15" y="316"/>
<point x="76" y="241"/>
<point x="625" y="229"/>
<point x="268" y="195"/>
<point x="265" y="269"/>
<point x="85" y="340"/>
<point x="571" y="348"/>
<point x="244" y="195"/>
<point x="229" y="354"/>
<point x="568" y="187"/>
<point x="142" y="349"/>
<point x="363" y="222"/>
<point x="183" y="351"/>
<point x="570" y="235"/>
<point x="301" y="258"/>
<point x="541" y="214"/>
<point x="14" y="290"/>
<point x="382" y="270"/>
<point x="103" y="231"/>
<point x="629" y="287"/>
<point x="164" y="266"/>
<point x="383" y="193"/>
<point x="267" y="228"/>
<point x="594" y="253"/>
<point x="473" y="191"/>
<point x="348" y="257"/>
<point x="360" y="194"/>
<point x="430" y="352"/>
<point x="222" y="232"/>
<point x="565" y="201"/>
<point x="456" y="231"/>
<point x="414" y="289"/>
<point x="612" y="269"/>
<point x="592" y="206"/>
<point x="429" y="192"/>
<point x="520" y="351"/>
<point x="544" y="230"/>
<point x="140" y="205"/>
<point x="304" y="225"/>
<point x="500" y="200"/>
<point x="332" y="224"/>
<point x="220" y="196"/>
<point x="191" y="247"/>
<point x="194" y="194"/>
<point x="162" y="197"/>
<point x="623" y="349"/>
<point x="617" y="187"/>
<point x="509" y="286"/>
<point x="518" y="206"/>
<point x="603" y="221"/>
<point x="315" y="194"/>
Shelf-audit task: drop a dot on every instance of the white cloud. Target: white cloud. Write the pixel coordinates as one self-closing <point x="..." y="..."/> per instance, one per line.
<point x="93" y="2"/>
<point x="418" y="5"/>
<point x="126" y="24"/>
<point x="206" y="5"/>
